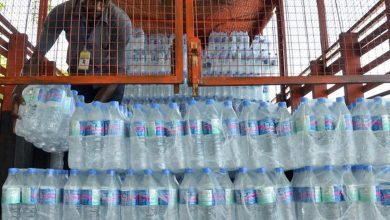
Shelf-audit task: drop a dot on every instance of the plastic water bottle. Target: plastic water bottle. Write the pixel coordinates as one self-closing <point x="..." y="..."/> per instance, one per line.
<point x="306" y="194"/>
<point x="194" y="139"/>
<point x="72" y="196"/>
<point x="90" y="196"/>
<point x="76" y="135"/>
<point x="174" y="133"/>
<point x="350" y="205"/>
<point x="50" y="197"/>
<point x="10" y="197"/>
<point x="324" y="117"/>
<point x="129" y="196"/>
<point x="167" y="196"/>
<point x="245" y="195"/>
<point x="369" y="192"/>
<point x="265" y="195"/>
<point x="285" y="208"/>
<point x="114" y="140"/>
<point x="188" y="196"/>
<point x="137" y="144"/>
<point x="233" y="152"/>
<point x="94" y="132"/>
<point x="304" y="119"/>
<point x="249" y="132"/>
<point x="225" y="193"/>
<point x="384" y="181"/>
<point x="331" y="193"/>
<point x="212" y="131"/>
<point x="379" y="116"/>
<point x="155" y="140"/>
<point x="267" y="134"/>
<point x="110" y="196"/>
<point x="147" y="197"/>
<point x="361" y="117"/>
<point x="208" y="207"/>
<point x="30" y="189"/>
<point x="284" y="130"/>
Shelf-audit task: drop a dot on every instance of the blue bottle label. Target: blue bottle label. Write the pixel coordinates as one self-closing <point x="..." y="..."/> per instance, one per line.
<point x="147" y="197"/>
<point x="30" y="195"/>
<point x="49" y="196"/>
<point x="361" y="122"/>
<point x="284" y="128"/>
<point x="114" y="128"/>
<point x="284" y="195"/>
<point x="155" y="129"/>
<point x="207" y="198"/>
<point x="307" y="194"/>
<point x="346" y="123"/>
<point x="305" y="124"/>
<point x="326" y="125"/>
<point x="380" y="123"/>
<point x="94" y="128"/>
<point x="331" y="194"/>
<point x="173" y="129"/>
<point x="72" y="196"/>
<point x="55" y="95"/>
<point x="245" y="197"/>
<point x="212" y="126"/>
<point x="11" y="196"/>
<point x="249" y="128"/>
<point x="90" y="197"/>
<point x="232" y="127"/>
<point x="220" y="197"/>
<point x="188" y="197"/>
<point x="195" y="127"/>
<point x="41" y="95"/>
<point x="385" y="197"/>
<point x="167" y="197"/>
<point x="266" y="126"/>
<point x="139" y="128"/>
<point x="109" y="197"/>
<point x="128" y="198"/>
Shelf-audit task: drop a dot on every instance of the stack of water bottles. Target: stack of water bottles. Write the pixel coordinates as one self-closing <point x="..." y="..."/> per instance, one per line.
<point x="45" y="117"/>
<point x="347" y="192"/>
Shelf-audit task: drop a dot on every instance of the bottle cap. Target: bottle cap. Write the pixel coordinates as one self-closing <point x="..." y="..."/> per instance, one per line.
<point x="261" y="170"/>
<point x="129" y="172"/>
<point x="148" y="172"/>
<point x="243" y="170"/>
<point x="206" y="170"/>
<point x="279" y="170"/>
<point x="188" y="170"/>
<point x="13" y="171"/>
<point x="282" y="105"/>
<point x="92" y="172"/>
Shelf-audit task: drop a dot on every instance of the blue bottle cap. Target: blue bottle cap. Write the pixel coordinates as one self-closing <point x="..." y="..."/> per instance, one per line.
<point x="114" y="104"/>
<point x="228" y="103"/>
<point x="282" y="105"/>
<point x="279" y="170"/>
<point x="96" y="104"/>
<point x="92" y="172"/>
<point x="74" y="172"/>
<point x="243" y="170"/>
<point x="360" y="100"/>
<point x="308" y="168"/>
<point x="137" y="106"/>
<point x="173" y="105"/>
<point x="264" y="105"/>
<point x="206" y="170"/>
<point x="223" y="170"/>
<point x="322" y="100"/>
<point x="129" y="172"/>
<point x="386" y="169"/>
<point x="261" y="170"/>
<point x="148" y="172"/>
<point x="304" y="100"/>
<point x="327" y="168"/>
<point x="367" y="168"/>
<point x="13" y="171"/>
<point x="166" y="172"/>
<point x="155" y="105"/>
<point x="50" y="172"/>
<point x="32" y="171"/>
<point x="340" y="99"/>
<point x="378" y="99"/>
<point x="79" y="104"/>
<point x="75" y="92"/>
<point x="192" y="102"/>
<point x="210" y="101"/>
<point x="347" y="167"/>
<point x="111" y="172"/>
<point x="188" y="170"/>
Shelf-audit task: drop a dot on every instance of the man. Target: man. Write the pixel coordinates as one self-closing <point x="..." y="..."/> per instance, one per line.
<point x="99" y="36"/>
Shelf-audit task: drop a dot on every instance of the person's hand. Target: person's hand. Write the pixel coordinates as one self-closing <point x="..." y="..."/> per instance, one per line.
<point x="17" y="100"/>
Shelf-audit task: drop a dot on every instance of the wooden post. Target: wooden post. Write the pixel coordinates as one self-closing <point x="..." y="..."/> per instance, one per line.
<point x="295" y="97"/>
<point x="316" y="69"/>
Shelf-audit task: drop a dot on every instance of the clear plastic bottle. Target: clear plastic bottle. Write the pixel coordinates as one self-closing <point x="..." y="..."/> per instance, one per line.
<point x="324" y="117"/>
<point x="94" y="133"/>
<point x="155" y="139"/>
<point x="174" y="138"/>
<point x="245" y="196"/>
<point x="188" y="196"/>
<point x="284" y="130"/>
<point x="147" y="206"/>
<point x="384" y="184"/>
<point x="350" y="206"/>
<point x="285" y="208"/>
<point x="195" y="149"/>
<point x="137" y="145"/>
<point x="361" y="117"/>
<point x="249" y="132"/>
<point x="265" y="195"/>
<point x="225" y="193"/>
<point x="90" y="196"/>
<point x="208" y="207"/>
<point x="233" y="152"/>
<point x="167" y="196"/>
<point x="30" y="193"/>
<point x="50" y="196"/>
<point x="129" y="196"/>
<point x="212" y="135"/>
<point x="304" y="119"/>
<point x="72" y="196"/>
<point x="10" y="197"/>
<point x="379" y="116"/>
<point x="110" y="196"/>
<point x="76" y="135"/>
<point x="267" y="134"/>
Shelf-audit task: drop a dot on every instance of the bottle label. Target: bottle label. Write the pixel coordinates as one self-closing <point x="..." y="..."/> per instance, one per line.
<point x="229" y="196"/>
<point x="155" y="129"/>
<point x="266" y="126"/>
<point x="232" y="127"/>
<point x="306" y="124"/>
<point x="139" y="128"/>
<point x="380" y="123"/>
<point x="284" y="128"/>
<point x="195" y="127"/>
<point x="331" y="194"/>
<point x="249" y="128"/>
<point x="245" y="197"/>
<point x="49" y="196"/>
<point x="174" y="128"/>
<point x="265" y="195"/>
<point x="114" y="128"/>
<point x="167" y="197"/>
<point x="128" y="198"/>
<point x="351" y="193"/>
<point x="284" y="195"/>
<point x="94" y="128"/>
<point x="188" y="197"/>
<point x="30" y="195"/>
<point x="147" y="197"/>
<point x="109" y="197"/>
<point x="72" y="197"/>
<point x="346" y="123"/>
<point x="90" y="197"/>
<point x="307" y="194"/>
<point x="55" y="95"/>
<point x="326" y="125"/>
<point x="11" y="196"/>
<point x="385" y="196"/>
<point x="212" y="126"/>
<point x="76" y="128"/>
<point x="206" y="198"/>
<point x="369" y="194"/>
<point x="220" y="197"/>
<point x="361" y="122"/>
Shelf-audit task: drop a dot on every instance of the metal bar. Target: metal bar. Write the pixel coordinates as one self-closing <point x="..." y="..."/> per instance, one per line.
<point x="179" y="40"/>
<point x="382" y="38"/>
<point x="334" y="88"/>
<point x="378" y="61"/>
<point x="7" y="24"/>
<point x="372" y="23"/>
<point x="385" y="93"/>
<point x="282" y="43"/>
<point x="43" y="8"/>
<point x="190" y="19"/>
<point x="387" y="3"/>
<point x="374" y="34"/>
<point x="317" y="70"/>
<point x="365" y="16"/>
<point x="370" y="86"/>
<point x="323" y="28"/>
